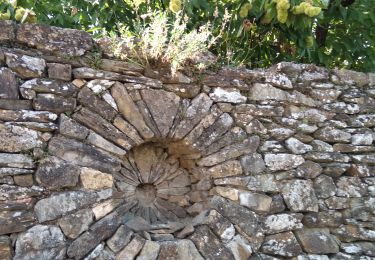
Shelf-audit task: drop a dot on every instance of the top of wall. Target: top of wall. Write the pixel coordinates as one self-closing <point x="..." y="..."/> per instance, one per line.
<point x="78" y="48"/>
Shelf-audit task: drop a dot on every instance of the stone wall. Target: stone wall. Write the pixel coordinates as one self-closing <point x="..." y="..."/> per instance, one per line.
<point x="102" y="159"/>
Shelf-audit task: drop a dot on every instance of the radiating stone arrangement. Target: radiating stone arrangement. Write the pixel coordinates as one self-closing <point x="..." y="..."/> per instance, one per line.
<point x="104" y="159"/>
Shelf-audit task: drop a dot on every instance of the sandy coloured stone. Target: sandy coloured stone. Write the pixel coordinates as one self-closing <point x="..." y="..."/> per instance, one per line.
<point x="225" y="169"/>
<point x="25" y="66"/>
<point x="83" y="154"/>
<point x="8" y="84"/>
<point x="163" y="106"/>
<point x="5" y="248"/>
<point x="132" y="249"/>
<point x="240" y="248"/>
<point x="129" y="110"/>
<point x="105" y="207"/>
<point x="95" y="180"/>
<point x="225" y="192"/>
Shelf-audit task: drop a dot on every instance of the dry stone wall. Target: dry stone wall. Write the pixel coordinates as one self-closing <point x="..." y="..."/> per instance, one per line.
<point x="115" y="161"/>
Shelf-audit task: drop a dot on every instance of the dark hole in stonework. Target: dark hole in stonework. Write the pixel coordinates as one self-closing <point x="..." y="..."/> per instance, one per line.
<point x="145" y="194"/>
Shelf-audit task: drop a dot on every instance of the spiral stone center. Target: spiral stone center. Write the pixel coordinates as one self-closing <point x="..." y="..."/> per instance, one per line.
<point x="145" y="194"/>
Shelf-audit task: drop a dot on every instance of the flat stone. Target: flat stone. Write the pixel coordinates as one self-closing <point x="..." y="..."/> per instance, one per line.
<point x="120" y="239"/>
<point x="27" y="115"/>
<point x="82" y="154"/>
<point x="350" y="77"/>
<point x="55" y="40"/>
<point x="130" y="111"/>
<point x="41" y="242"/>
<point x="317" y="241"/>
<point x="350" y="233"/>
<point x="183" y="90"/>
<point x="103" y="208"/>
<point x="213" y="250"/>
<point x="225" y="169"/>
<point x="59" y="71"/>
<point x="14" y="194"/>
<point x="245" y="219"/>
<point x="54" y="173"/>
<point x="282" y="222"/>
<point x="366" y="159"/>
<point x="8" y="31"/>
<point x="54" y="103"/>
<point x="332" y="135"/>
<point x="259" y="110"/>
<point x="8" y="84"/>
<point x="132" y="249"/>
<point x="71" y="128"/>
<point x="323" y="157"/>
<point x="342" y="108"/>
<point x="324" y="187"/>
<point x="362" y="139"/>
<point x="16" y="161"/>
<point x="247" y="146"/>
<point x="18" y="139"/>
<point x="239" y="247"/>
<point x="15" y="104"/>
<point x="62" y="203"/>
<point x="15" y="221"/>
<point x="30" y="88"/>
<point x="350" y="187"/>
<point x="163" y="106"/>
<point x="255" y="201"/>
<point x="325" y="95"/>
<point x="281" y="133"/>
<point x="229" y="95"/>
<point x="359" y="248"/>
<point x="95" y="180"/>
<point x="197" y="110"/>
<point x="98" y="86"/>
<point x="297" y="147"/>
<point x="299" y="196"/>
<point x="74" y="224"/>
<point x="324" y="219"/>
<point x="150" y="251"/>
<point x="282" y="244"/>
<point x="135" y="78"/>
<point x="263" y="183"/>
<point x="24" y="180"/>
<point x="101" y="230"/>
<point x="276" y="162"/>
<point x="99" y="141"/>
<point x="5" y="248"/>
<point x="94" y="103"/>
<point x="25" y="66"/>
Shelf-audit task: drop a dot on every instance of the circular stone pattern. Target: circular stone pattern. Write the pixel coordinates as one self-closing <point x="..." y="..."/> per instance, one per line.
<point x="238" y="164"/>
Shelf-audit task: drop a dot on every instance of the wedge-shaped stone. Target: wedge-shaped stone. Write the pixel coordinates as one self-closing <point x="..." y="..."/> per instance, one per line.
<point x="71" y="128"/>
<point x="102" y="143"/>
<point x="41" y="242"/>
<point x="54" y="173"/>
<point x="235" y="135"/>
<point x="163" y="106"/>
<point x="130" y="111"/>
<point x="282" y="244"/>
<point x="150" y="251"/>
<point x="30" y="88"/>
<point x="101" y="230"/>
<point x="16" y="161"/>
<point x="249" y="145"/>
<point x="27" y="115"/>
<point x="83" y="155"/>
<point x="103" y="127"/>
<point x="62" y="203"/>
<point x="74" y="224"/>
<point x="317" y="241"/>
<point x="299" y="196"/>
<point x="88" y="73"/>
<point x="127" y="129"/>
<point x="26" y="66"/>
<point x="53" y="103"/>
<point x="8" y="84"/>
<point x="120" y="239"/>
<point x="132" y="249"/>
<point x="244" y="218"/>
<point x="212" y="250"/>
<point x="15" y="104"/>
<point x="15" y="139"/>
<point x="199" y="107"/>
<point x="87" y="98"/>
